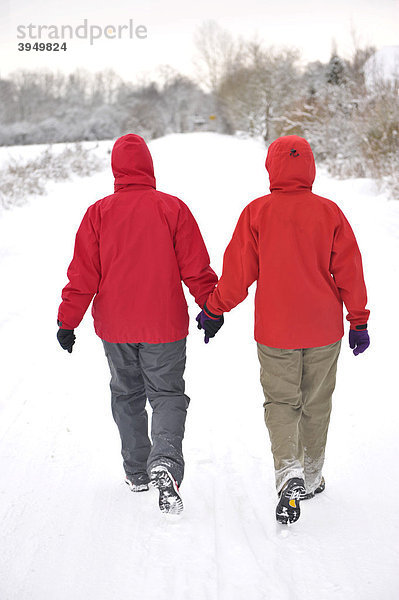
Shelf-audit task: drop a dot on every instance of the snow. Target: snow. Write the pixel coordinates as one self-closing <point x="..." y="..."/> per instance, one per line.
<point x="70" y="527"/>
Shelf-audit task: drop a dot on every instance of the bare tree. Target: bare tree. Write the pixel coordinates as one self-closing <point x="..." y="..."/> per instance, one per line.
<point x="105" y="85"/>
<point x="217" y="53"/>
<point x="256" y="92"/>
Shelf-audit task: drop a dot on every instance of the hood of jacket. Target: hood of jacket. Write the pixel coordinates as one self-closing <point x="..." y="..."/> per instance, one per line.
<point x="290" y="164"/>
<point x="131" y="162"/>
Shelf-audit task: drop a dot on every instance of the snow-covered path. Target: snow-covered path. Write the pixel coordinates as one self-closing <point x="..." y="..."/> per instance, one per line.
<point x="70" y="528"/>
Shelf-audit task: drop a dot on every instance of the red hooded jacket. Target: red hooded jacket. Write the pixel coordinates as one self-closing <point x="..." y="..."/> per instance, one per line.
<point x="301" y="250"/>
<point x="132" y="250"/>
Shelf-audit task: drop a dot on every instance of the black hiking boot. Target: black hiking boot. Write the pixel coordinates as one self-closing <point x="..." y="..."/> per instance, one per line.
<point x="287" y="510"/>
<point x="169" y="496"/>
<point x="320" y="488"/>
<point x="138" y="482"/>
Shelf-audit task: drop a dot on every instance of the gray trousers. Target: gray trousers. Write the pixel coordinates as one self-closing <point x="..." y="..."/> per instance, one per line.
<point x="153" y="371"/>
<point x="298" y="386"/>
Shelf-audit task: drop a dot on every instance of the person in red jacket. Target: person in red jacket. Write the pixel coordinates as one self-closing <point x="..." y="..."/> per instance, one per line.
<point x="302" y="252"/>
<point x="132" y="251"/>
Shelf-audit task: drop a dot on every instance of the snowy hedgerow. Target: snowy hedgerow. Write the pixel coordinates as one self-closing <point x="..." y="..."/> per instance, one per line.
<point x="20" y="179"/>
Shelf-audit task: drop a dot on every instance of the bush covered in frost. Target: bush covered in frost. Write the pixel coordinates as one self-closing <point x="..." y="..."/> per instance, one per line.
<point x="19" y="179"/>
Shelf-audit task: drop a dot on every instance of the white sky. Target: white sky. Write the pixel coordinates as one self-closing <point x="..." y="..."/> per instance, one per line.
<point x="309" y="25"/>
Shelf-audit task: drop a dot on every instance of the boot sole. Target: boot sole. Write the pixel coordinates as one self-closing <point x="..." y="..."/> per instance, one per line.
<point x="170" y="501"/>
<point x="288" y="508"/>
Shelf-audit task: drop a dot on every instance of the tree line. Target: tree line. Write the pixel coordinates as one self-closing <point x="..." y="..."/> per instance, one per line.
<point x="238" y="86"/>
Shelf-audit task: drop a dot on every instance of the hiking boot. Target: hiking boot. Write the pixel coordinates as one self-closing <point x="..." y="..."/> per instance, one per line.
<point x="320" y="488"/>
<point x="138" y="482"/>
<point x="169" y="496"/>
<point x="287" y="510"/>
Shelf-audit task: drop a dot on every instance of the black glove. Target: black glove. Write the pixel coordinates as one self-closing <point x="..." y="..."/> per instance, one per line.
<point x="209" y="323"/>
<point x="66" y="338"/>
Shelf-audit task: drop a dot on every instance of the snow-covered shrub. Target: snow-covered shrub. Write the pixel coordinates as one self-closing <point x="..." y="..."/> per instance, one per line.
<point x="16" y="133"/>
<point x="20" y="179"/>
<point x="81" y="161"/>
<point x="102" y="125"/>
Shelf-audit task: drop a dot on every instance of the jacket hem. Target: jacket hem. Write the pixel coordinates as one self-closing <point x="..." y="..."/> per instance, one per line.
<point x="296" y="344"/>
<point x="140" y="339"/>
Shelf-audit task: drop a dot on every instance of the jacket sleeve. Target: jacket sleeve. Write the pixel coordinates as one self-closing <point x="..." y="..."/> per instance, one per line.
<point x="192" y="257"/>
<point x="240" y="267"/>
<point x="347" y="271"/>
<point x="84" y="272"/>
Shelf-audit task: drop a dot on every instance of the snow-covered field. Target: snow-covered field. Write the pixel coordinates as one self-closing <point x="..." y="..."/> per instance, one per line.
<point x="69" y="526"/>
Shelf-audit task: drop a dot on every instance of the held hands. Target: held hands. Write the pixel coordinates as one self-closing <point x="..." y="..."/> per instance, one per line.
<point x="359" y="341"/>
<point x="66" y="338"/>
<point x="209" y="323"/>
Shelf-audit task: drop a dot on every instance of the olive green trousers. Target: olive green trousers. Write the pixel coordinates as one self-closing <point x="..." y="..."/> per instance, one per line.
<point x="298" y="386"/>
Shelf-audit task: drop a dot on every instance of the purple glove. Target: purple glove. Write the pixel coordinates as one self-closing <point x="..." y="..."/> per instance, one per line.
<point x="359" y="341"/>
<point x="210" y="324"/>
